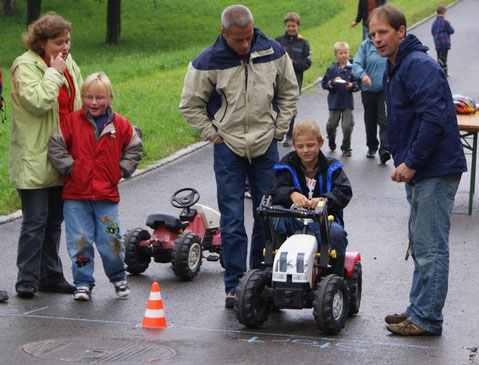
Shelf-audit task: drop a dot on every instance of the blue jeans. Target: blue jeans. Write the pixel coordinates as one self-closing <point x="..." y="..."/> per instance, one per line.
<point x="231" y="171"/>
<point x="431" y="202"/>
<point x="337" y="234"/>
<point x="88" y="221"/>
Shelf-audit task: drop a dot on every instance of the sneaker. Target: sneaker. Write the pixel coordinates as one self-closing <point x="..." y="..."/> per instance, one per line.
<point x="407" y="328"/>
<point x="230" y="300"/>
<point x="371" y="153"/>
<point x="347" y="153"/>
<point x="121" y="288"/>
<point x="386" y="156"/>
<point x="83" y="293"/>
<point x="3" y="296"/>
<point x="26" y="290"/>
<point x="395" y="318"/>
<point x="332" y="145"/>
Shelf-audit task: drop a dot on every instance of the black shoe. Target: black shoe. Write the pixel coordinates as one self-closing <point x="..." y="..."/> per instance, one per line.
<point x="62" y="287"/>
<point x="386" y="156"/>
<point x="3" y="296"/>
<point x="230" y="300"/>
<point x="26" y="290"/>
<point x="371" y="153"/>
<point x="332" y="145"/>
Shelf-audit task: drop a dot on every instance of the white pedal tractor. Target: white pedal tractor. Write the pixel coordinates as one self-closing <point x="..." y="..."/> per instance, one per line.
<point x="299" y="274"/>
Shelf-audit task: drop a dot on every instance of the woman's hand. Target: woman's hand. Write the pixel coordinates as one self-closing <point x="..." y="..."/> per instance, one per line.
<point x="58" y="63"/>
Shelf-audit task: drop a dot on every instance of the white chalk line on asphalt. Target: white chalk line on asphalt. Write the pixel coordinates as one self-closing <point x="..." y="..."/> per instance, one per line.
<point x="255" y="339"/>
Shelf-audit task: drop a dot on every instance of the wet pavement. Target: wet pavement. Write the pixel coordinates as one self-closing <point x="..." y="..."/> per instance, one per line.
<point x="54" y="329"/>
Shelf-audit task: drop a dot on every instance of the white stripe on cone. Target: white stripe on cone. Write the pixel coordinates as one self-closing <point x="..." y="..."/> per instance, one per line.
<point x="155" y="295"/>
<point x="154" y="313"/>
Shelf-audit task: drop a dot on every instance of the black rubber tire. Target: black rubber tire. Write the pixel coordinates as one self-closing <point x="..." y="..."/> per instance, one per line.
<point x="331" y="304"/>
<point x="355" y="284"/>
<point x="251" y="307"/>
<point x="222" y="263"/>
<point x="136" y="260"/>
<point x="186" y="256"/>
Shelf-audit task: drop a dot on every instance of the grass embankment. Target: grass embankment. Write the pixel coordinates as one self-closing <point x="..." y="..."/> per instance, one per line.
<point x="148" y="68"/>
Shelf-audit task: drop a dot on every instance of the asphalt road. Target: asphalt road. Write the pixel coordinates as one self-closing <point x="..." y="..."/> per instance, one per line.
<point x="54" y="329"/>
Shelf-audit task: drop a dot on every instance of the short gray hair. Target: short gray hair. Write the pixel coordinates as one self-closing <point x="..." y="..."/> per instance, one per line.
<point x="237" y="15"/>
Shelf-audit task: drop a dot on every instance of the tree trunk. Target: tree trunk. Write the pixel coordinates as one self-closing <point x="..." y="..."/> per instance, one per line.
<point x="113" y="22"/>
<point x="9" y="7"/>
<point x="33" y="12"/>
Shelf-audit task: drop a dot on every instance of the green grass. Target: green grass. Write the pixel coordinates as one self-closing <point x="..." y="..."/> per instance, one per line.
<point x="148" y="67"/>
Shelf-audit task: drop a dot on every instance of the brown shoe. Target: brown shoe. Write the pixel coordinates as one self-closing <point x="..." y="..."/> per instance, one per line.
<point x="395" y="318"/>
<point x="407" y="328"/>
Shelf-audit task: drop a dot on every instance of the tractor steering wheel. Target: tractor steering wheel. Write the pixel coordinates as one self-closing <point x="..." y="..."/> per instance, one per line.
<point x="186" y="200"/>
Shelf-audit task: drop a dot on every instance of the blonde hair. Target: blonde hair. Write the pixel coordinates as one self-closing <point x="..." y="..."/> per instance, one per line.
<point x="307" y="128"/>
<point x="98" y="79"/>
<point x="51" y="25"/>
<point x="292" y="17"/>
<point x="338" y="46"/>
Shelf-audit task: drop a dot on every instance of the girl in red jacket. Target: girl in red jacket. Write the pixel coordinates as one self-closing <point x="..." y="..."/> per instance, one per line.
<point x="93" y="149"/>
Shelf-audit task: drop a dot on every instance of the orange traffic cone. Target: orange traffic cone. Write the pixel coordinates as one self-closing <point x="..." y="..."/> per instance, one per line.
<point x="154" y="314"/>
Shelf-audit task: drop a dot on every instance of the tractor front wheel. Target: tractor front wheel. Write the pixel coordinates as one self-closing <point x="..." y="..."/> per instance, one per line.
<point x="186" y="256"/>
<point x="136" y="260"/>
<point x="252" y="308"/>
<point x="331" y="304"/>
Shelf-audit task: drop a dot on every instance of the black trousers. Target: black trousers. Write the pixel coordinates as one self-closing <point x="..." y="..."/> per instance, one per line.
<point x="37" y="257"/>
<point x="442" y="58"/>
<point x="374" y="116"/>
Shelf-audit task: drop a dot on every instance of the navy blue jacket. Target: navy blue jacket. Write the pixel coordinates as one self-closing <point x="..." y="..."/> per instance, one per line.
<point x="339" y="97"/>
<point x="332" y="183"/>
<point x="421" y="120"/>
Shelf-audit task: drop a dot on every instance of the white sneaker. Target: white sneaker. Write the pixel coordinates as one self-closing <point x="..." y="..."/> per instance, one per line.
<point x="82" y="293"/>
<point x="121" y="288"/>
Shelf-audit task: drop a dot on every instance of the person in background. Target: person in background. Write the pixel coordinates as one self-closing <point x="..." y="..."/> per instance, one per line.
<point x="365" y="7"/>
<point x="45" y="88"/>
<point x="300" y="54"/>
<point x="369" y="66"/>
<point x="240" y="94"/>
<point x="428" y="158"/>
<point x="441" y="30"/>
<point x="341" y="84"/>
<point x="3" y="293"/>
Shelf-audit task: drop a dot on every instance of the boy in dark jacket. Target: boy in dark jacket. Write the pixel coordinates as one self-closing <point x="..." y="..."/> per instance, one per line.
<point x="341" y="83"/>
<point x="93" y="148"/>
<point x="300" y="54"/>
<point x="441" y="30"/>
<point x="303" y="178"/>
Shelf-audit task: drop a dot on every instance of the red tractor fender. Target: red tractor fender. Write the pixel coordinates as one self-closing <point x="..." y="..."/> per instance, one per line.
<point x="350" y="260"/>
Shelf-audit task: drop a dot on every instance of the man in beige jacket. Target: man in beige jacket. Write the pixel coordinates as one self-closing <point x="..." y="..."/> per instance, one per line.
<point x="240" y="94"/>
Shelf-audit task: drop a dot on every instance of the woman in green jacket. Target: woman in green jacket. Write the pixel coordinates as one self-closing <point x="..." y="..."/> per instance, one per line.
<point x="45" y="87"/>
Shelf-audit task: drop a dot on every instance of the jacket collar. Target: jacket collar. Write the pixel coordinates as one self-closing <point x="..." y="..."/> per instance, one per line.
<point x="293" y="159"/>
<point x="407" y="46"/>
<point x="260" y="46"/>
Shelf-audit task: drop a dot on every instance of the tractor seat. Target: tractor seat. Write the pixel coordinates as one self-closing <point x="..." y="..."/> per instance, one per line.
<point x="171" y="223"/>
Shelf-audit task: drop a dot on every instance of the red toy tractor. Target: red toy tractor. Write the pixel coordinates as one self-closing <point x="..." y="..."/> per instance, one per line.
<point x="180" y="241"/>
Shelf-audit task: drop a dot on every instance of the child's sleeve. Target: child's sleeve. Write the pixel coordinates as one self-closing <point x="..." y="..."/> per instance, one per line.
<point x="450" y="29"/>
<point x="306" y="59"/>
<point x="356" y="83"/>
<point x="132" y="152"/>
<point x="341" y="192"/>
<point x="58" y="148"/>
<point x="326" y="80"/>
<point x="281" y="188"/>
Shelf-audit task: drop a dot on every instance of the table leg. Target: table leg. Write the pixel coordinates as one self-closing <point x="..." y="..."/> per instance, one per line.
<point x="473" y="173"/>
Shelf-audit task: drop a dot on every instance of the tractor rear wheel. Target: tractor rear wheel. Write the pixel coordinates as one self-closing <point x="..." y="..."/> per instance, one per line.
<point x="355" y="283"/>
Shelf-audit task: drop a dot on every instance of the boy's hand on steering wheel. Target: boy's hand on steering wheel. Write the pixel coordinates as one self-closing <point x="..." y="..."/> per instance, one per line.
<point x="313" y="203"/>
<point x="299" y="200"/>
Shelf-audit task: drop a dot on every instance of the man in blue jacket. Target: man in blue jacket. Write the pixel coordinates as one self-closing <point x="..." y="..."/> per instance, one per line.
<point x="429" y="158"/>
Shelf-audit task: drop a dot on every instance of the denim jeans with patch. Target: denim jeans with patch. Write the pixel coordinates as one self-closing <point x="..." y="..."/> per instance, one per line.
<point x="88" y="221"/>
<point x="431" y="202"/>
<point x="231" y="171"/>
